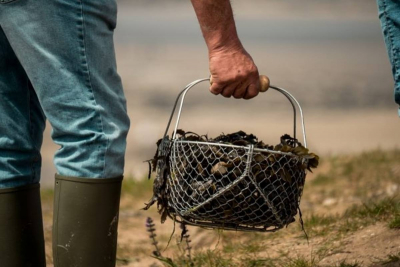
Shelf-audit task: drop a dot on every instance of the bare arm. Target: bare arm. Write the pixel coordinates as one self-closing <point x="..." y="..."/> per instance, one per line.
<point x="233" y="70"/>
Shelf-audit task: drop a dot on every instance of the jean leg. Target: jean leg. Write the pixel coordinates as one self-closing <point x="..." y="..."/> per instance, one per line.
<point x="21" y="122"/>
<point x="66" y="48"/>
<point x="389" y="15"/>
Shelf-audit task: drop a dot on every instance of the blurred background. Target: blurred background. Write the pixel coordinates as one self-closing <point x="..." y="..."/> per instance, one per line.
<point x="329" y="54"/>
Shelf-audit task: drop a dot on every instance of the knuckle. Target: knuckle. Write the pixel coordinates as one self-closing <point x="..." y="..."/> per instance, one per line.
<point x="253" y="94"/>
<point x="215" y="90"/>
<point x="226" y="94"/>
<point x="237" y="96"/>
<point x="249" y="96"/>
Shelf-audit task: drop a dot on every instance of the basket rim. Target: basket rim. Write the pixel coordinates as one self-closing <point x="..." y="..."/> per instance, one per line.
<point x="234" y="146"/>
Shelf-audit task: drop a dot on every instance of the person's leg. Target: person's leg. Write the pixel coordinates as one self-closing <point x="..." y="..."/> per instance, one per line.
<point x="21" y="122"/>
<point x="21" y="126"/>
<point x="66" y="49"/>
<point x="389" y="15"/>
<point x="21" y="227"/>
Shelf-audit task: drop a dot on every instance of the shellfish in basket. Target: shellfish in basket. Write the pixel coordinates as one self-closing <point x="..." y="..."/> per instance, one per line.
<point x="233" y="181"/>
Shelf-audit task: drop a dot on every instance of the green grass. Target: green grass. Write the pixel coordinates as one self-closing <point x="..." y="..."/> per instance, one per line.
<point x="379" y="209"/>
<point x="384" y="210"/>
<point x="206" y="258"/>
<point x="359" y="174"/>
<point x="137" y="188"/>
<point x="395" y="222"/>
<point x="345" y="264"/>
<point x="47" y="195"/>
<point x="323" y="179"/>
<point x="391" y="259"/>
<point x="319" y="220"/>
<point x="211" y="258"/>
<point x="301" y="262"/>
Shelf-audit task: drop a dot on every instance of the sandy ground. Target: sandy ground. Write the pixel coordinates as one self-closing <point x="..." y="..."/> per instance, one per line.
<point x="367" y="246"/>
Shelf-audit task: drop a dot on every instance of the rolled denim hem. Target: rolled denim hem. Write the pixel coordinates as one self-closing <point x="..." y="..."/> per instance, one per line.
<point x="87" y="180"/>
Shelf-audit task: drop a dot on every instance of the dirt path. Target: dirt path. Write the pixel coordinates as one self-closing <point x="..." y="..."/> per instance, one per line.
<point x="339" y="232"/>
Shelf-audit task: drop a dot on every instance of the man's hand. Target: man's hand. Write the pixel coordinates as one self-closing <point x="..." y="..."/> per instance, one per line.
<point x="234" y="74"/>
<point x="232" y="68"/>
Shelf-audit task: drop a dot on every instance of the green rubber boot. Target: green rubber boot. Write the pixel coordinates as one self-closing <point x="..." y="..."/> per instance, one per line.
<point x="85" y="221"/>
<point x="21" y="227"/>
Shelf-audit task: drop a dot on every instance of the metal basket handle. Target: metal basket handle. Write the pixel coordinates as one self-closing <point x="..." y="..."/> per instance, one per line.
<point x="182" y="95"/>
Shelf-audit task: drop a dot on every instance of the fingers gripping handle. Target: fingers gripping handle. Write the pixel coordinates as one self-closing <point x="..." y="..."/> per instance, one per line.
<point x="264" y="82"/>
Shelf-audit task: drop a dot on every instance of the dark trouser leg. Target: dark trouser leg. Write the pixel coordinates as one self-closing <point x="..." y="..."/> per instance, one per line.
<point x="21" y="227"/>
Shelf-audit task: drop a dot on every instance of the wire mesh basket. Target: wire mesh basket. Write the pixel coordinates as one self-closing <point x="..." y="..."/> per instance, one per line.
<point x="217" y="185"/>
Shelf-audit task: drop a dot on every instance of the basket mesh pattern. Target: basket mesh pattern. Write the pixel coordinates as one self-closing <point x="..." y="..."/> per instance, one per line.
<point x="233" y="187"/>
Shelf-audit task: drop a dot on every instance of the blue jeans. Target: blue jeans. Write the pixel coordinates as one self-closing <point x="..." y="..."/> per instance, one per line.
<point x="57" y="61"/>
<point x="389" y="15"/>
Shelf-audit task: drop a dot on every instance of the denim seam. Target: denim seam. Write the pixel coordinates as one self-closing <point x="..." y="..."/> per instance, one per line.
<point x="390" y="38"/>
<point x="90" y="86"/>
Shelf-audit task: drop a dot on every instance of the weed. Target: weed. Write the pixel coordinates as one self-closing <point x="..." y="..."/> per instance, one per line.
<point x="301" y="262"/>
<point x="152" y="230"/>
<point x="348" y="168"/>
<point x="387" y="209"/>
<point x="345" y="264"/>
<point x="395" y="222"/>
<point x="137" y="188"/>
<point x="211" y="258"/>
<point x="186" y="237"/>
<point x="258" y="262"/>
<point x="46" y="195"/>
<point x="157" y="253"/>
<point x="319" y="220"/>
<point x="392" y="258"/>
<point x="322" y="179"/>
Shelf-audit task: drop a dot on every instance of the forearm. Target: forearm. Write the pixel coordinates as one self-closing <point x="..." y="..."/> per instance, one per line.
<point x="217" y="24"/>
<point x="232" y="68"/>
